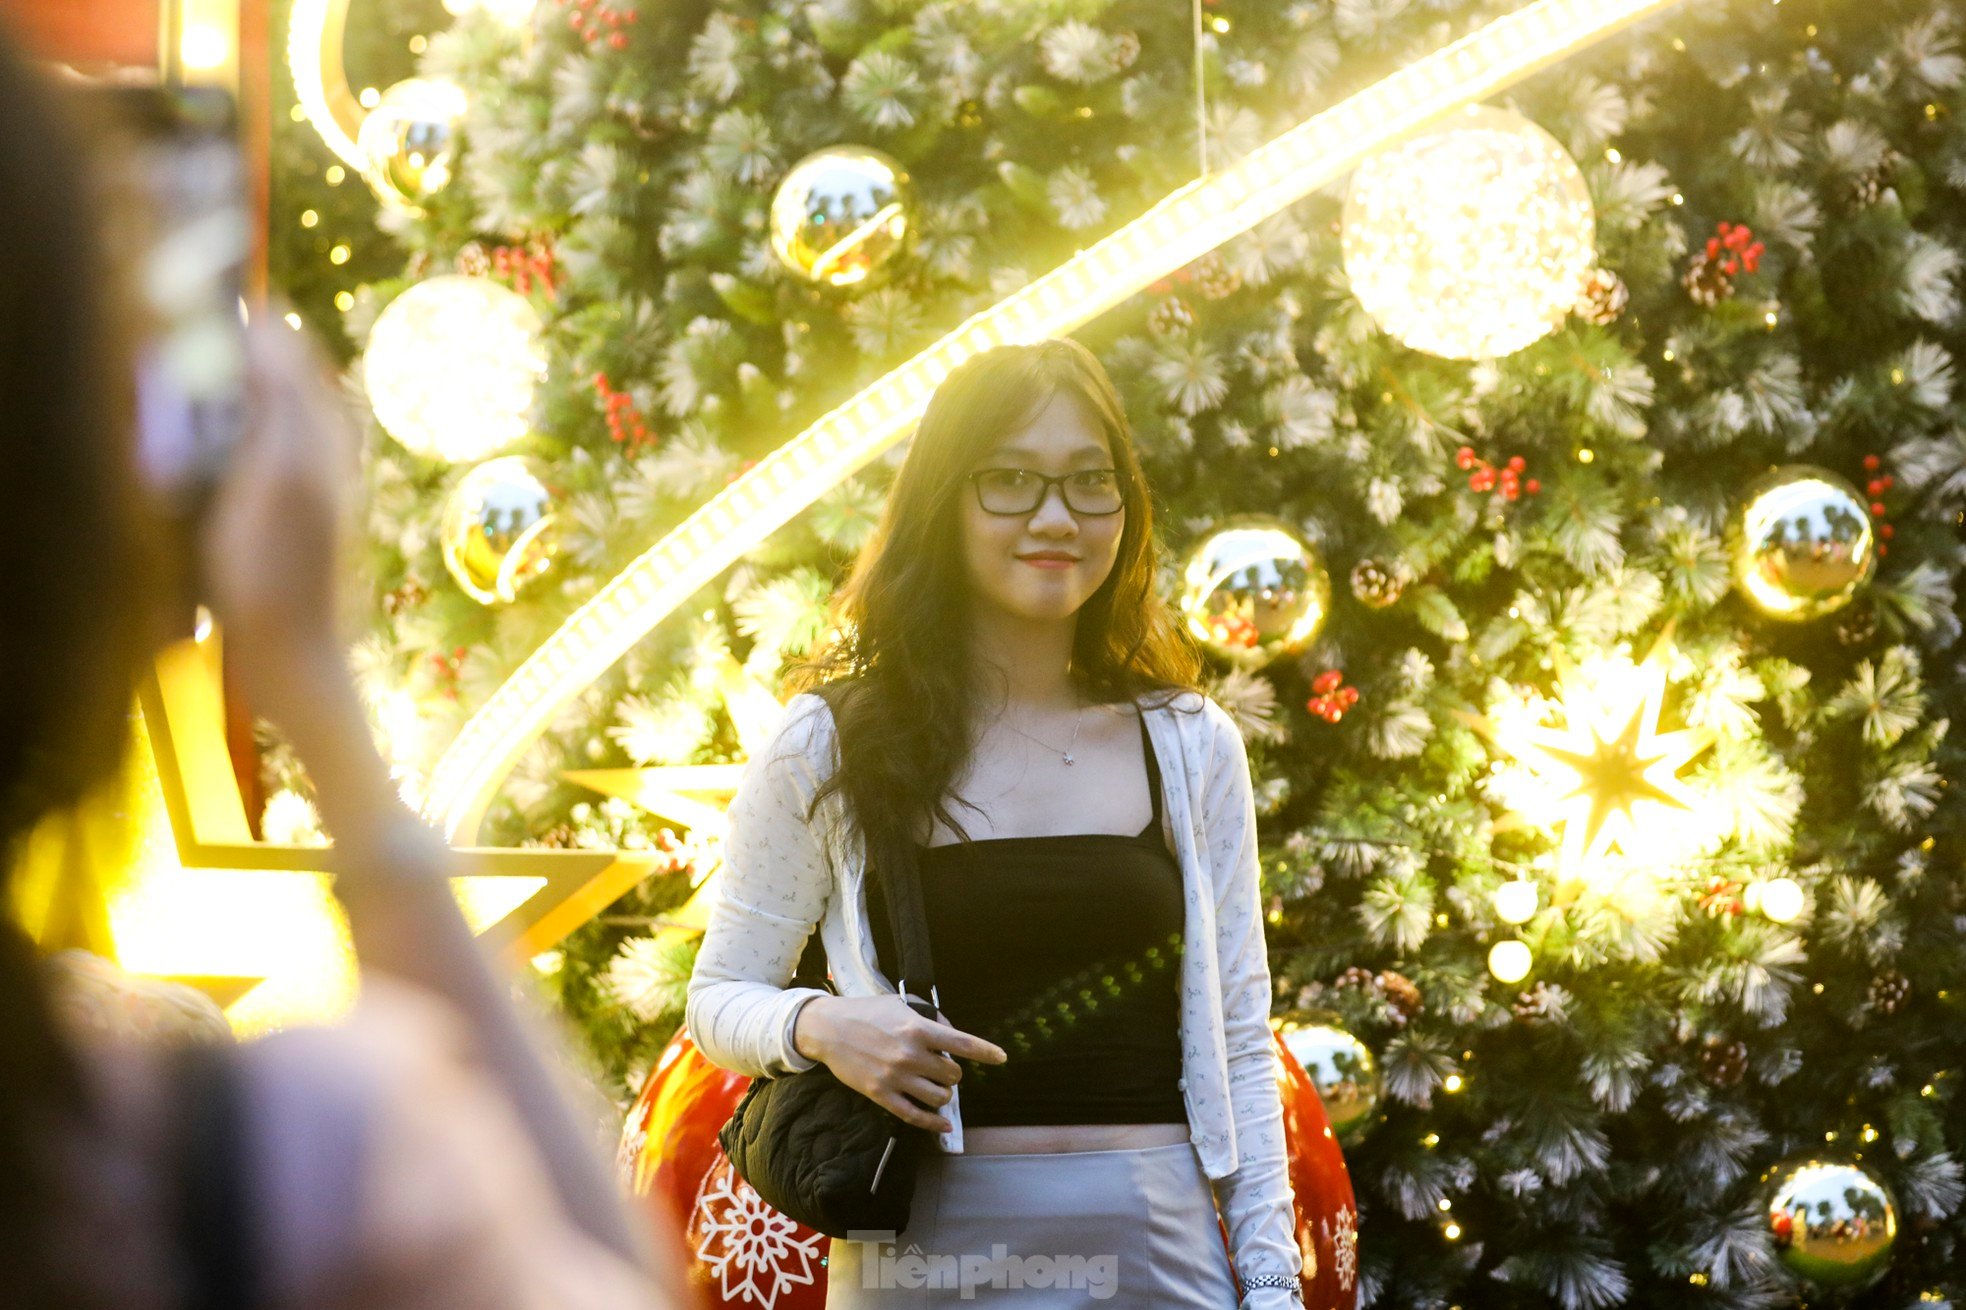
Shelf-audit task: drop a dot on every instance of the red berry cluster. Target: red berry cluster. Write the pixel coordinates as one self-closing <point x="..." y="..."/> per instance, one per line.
<point x="1723" y="896"/>
<point x="625" y="423"/>
<point x="1332" y="698"/>
<point x="1743" y="252"/>
<point x="1875" y="489"/>
<point x="1483" y="476"/>
<point x="1709" y="279"/>
<point x="595" y="20"/>
<point x="448" y="668"/>
<point x="525" y="265"/>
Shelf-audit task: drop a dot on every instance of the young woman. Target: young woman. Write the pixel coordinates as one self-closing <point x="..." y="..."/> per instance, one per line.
<point x="1098" y="941"/>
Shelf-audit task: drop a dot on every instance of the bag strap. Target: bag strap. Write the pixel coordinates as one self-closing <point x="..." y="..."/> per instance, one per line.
<point x="901" y="888"/>
<point x="215" y="1223"/>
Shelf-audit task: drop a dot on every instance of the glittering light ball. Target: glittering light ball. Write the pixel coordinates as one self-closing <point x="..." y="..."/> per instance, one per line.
<point x="1834" y="1223"/>
<point x="1253" y="589"/>
<point x="842" y="216"/>
<point x="451" y="365"/>
<point x="1780" y="899"/>
<point x="1510" y="961"/>
<point x="1346" y="1075"/>
<point x="1516" y="902"/>
<point x="499" y="529"/>
<point x="1805" y="545"/>
<point x="409" y="141"/>
<point x="1471" y="240"/>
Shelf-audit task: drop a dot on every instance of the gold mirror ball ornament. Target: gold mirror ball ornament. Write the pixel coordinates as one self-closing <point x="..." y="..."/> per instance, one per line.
<point x="1342" y="1068"/>
<point x="1833" y="1222"/>
<point x="1253" y="589"/>
<point x="842" y="216"/>
<point x="409" y="141"/>
<point x="500" y="532"/>
<point x="1805" y="545"/>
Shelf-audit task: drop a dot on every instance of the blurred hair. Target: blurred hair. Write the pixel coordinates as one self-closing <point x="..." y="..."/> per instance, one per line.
<point x="74" y="632"/>
<point x="901" y="620"/>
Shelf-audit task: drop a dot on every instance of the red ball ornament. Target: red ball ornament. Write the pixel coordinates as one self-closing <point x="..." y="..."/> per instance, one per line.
<point x="739" y="1252"/>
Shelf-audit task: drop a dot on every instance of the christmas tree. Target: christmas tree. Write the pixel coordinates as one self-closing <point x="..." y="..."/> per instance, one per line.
<point x="1596" y="655"/>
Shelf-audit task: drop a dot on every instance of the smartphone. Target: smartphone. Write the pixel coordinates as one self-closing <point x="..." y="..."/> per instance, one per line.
<point x="175" y="161"/>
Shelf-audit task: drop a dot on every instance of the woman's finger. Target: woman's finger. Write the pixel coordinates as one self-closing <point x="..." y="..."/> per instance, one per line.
<point x="927" y="1091"/>
<point x="908" y="1112"/>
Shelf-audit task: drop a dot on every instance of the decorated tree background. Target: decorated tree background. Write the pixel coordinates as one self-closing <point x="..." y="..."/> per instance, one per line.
<point x="1606" y="804"/>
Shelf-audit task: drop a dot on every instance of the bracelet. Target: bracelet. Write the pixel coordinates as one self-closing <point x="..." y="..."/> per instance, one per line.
<point x="1289" y="1282"/>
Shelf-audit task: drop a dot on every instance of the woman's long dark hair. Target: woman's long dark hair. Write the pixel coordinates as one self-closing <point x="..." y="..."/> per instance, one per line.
<point x="901" y="620"/>
<point x="72" y="640"/>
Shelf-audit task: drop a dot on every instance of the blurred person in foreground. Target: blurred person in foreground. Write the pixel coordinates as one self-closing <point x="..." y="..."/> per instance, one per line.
<point x="422" y="1154"/>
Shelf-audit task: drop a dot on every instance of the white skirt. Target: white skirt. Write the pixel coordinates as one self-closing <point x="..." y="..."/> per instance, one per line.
<point x="1055" y="1231"/>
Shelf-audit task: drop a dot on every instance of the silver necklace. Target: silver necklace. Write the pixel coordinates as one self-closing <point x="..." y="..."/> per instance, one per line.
<point x="1065" y="754"/>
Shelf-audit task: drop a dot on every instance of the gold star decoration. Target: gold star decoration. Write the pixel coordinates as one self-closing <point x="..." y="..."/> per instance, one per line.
<point x="187" y="892"/>
<point x="1611" y="777"/>
<point x="696" y="795"/>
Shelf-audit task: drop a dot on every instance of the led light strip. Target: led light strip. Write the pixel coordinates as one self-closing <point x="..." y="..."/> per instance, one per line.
<point x="1187" y="224"/>
<point x="314" y="35"/>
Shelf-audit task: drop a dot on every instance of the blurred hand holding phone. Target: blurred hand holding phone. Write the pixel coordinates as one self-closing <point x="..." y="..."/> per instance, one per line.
<point x="175" y="163"/>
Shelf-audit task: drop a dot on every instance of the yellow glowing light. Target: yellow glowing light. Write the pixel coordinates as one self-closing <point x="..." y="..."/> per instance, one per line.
<point x="1509" y="961"/>
<point x="292" y="320"/>
<point x="344" y="301"/>
<point x="1610" y="777"/>
<point x="314" y="40"/>
<point x="309" y="217"/>
<point x="1452" y="1084"/>
<point x="1780" y="899"/>
<point x="204" y="47"/>
<point x="1472" y="239"/>
<point x="1452" y="1232"/>
<point x="191" y="895"/>
<point x="1515" y="902"/>
<point x="512" y="13"/>
<point x="1186" y="224"/>
<point x="451" y="366"/>
<point x="339" y="255"/>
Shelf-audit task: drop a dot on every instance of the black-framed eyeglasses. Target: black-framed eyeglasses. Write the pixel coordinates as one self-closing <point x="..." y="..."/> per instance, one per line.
<point x="1094" y="492"/>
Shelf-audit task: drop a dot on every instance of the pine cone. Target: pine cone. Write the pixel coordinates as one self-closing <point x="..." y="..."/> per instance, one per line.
<point x="473" y="260"/>
<point x="1172" y="317"/>
<point x="1213" y="277"/>
<point x="1355" y="977"/>
<point x="1603" y="298"/>
<point x="1723" y="1060"/>
<point x="1865" y="188"/>
<point x="1707" y="283"/>
<point x="1889" y="991"/>
<point x="1400" y="994"/>
<point x="1534" y="1005"/>
<point x="1376" y="584"/>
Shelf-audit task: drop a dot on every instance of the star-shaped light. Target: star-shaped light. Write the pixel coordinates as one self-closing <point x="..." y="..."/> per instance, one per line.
<point x="166" y="878"/>
<point x="1610" y="777"/>
<point x="697" y="795"/>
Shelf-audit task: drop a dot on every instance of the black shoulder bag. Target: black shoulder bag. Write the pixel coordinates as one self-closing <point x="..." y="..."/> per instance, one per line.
<point x="817" y="1150"/>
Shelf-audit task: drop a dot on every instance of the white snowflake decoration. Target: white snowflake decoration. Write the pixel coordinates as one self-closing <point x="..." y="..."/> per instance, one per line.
<point x="756" y="1252"/>
<point x="1341" y="1235"/>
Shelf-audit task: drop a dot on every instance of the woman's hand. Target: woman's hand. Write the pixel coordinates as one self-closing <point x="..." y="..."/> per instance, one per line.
<point x="882" y="1049"/>
<point x="273" y="536"/>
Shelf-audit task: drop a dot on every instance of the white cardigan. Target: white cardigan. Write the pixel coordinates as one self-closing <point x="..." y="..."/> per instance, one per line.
<point x="782" y="875"/>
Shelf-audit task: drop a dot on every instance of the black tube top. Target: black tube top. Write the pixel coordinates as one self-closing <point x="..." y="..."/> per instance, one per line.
<point x="1065" y="951"/>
